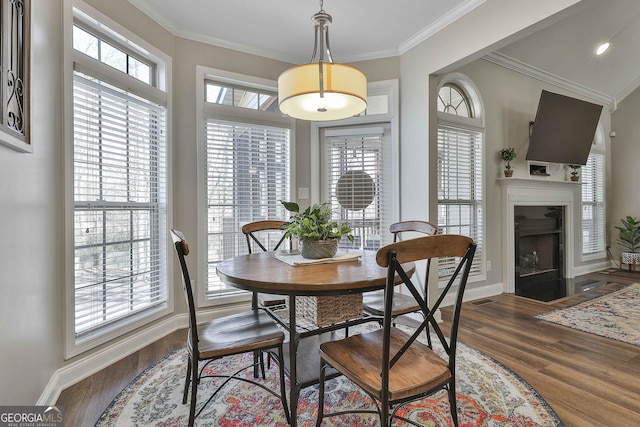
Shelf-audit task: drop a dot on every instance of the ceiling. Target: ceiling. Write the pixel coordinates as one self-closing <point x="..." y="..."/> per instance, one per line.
<point x="281" y="29"/>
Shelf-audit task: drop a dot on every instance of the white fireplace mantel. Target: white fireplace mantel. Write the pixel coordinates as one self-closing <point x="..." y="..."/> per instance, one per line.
<point x="536" y="192"/>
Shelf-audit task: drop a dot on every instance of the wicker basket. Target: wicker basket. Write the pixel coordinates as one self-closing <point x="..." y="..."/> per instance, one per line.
<point x="325" y="311"/>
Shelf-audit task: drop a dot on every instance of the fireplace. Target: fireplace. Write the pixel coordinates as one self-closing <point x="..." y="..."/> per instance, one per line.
<point x="536" y="196"/>
<point x="538" y="252"/>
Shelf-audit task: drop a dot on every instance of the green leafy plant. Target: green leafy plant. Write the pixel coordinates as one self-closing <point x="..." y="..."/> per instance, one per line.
<point x="629" y="233"/>
<point x="314" y="223"/>
<point x="508" y="154"/>
<point x="574" y="169"/>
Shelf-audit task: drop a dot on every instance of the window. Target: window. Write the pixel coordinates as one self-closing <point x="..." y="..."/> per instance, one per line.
<point x="593" y="207"/>
<point x="357" y="170"/>
<point x="244" y="170"/>
<point x="119" y="197"/>
<point x="237" y="96"/>
<point x="97" y="48"/>
<point x="248" y="167"/>
<point x="15" y="36"/>
<point x="460" y="171"/>
<point x="355" y="163"/>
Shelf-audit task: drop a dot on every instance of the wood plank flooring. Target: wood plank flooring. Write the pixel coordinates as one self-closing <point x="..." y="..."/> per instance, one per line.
<point x="85" y="401"/>
<point x="588" y="380"/>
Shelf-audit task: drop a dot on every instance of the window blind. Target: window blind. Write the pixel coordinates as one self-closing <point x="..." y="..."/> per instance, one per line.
<point x="248" y="173"/>
<point x="120" y="195"/>
<point x="355" y="181"/>
<point x="593" y="205"/>
<point x="460" y="191"/>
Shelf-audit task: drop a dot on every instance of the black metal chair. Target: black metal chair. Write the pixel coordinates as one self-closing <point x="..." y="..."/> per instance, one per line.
<point x="373" y="302"/>
<point x="250" y="331"/>
<point x="389" y="364"/>
<point x="260" y="233"/>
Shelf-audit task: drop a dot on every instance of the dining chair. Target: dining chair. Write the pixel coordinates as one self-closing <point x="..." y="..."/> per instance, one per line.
<point x="262" y="235"/>
<point x="390" y="364"/>
<point x="249" y="331"/>
<point x="373" y="302"/>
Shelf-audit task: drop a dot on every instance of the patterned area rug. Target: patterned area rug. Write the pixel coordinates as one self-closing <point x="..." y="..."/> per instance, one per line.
<point x="615" y="315"/>
<point x="488" y="394"/>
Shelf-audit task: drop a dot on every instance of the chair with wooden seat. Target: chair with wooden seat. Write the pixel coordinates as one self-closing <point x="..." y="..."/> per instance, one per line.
<point x="373" y="302"/>
<point x="246" y="332"/>
<point x="390" y="364"/>
<point x="262" y="234"/>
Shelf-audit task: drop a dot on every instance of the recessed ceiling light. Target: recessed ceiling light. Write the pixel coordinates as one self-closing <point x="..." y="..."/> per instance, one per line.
<point x="602" y="48"/>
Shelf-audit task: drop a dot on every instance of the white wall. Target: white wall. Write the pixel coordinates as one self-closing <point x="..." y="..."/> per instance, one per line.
<point x="510" y="103"/>
<point x="625" y="158"/>
<point x="31" y="194"/>
<point x="31" y="290"/>
<point x="470" y="37"/>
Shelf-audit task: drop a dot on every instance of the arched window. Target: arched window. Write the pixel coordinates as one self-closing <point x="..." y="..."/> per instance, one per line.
<point x="461" y="167"/>
<point x="452" y="100"/>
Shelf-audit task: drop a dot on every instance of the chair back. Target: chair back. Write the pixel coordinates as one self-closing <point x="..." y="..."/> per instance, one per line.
<point x="393" y="256"/>
<point x="258" y="232"/>
<point x="423" y="227"/>
<point x="417" y="226"/>
<point x="182" y="250"/>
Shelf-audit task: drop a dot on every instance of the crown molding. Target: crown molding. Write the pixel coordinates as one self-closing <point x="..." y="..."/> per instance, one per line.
<point x="442" y="22"/>
<point x="628" y="90"/>
<point x="536" y="73"/>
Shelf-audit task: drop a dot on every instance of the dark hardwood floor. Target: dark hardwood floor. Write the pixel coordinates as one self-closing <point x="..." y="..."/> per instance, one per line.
<point x="85" y="401"/>
<point x="588" y="380"/>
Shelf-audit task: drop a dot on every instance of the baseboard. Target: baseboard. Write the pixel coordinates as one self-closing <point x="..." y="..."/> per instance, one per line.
<point x="89" y="365"/>
<point x="591" y="268"/>
<point x="470" y="294"/>
<point x="475" y="293"/>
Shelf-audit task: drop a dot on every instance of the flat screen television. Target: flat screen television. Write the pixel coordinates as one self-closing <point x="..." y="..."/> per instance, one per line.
<point x="563" y="130"/>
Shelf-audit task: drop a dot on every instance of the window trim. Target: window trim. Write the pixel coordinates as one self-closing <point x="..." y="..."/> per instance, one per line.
<point x="78" y="345"/>
<point x="204" y="111"/>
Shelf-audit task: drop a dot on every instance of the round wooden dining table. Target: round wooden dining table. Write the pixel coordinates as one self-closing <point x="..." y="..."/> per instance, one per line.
<point x="264" y="273"/>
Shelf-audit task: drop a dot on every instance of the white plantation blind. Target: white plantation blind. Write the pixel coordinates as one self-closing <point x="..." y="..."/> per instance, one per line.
<point x="460" y="190"/>
<point x="120" y="196"/>
<point x="248" y="173"/>
<point x="593" y="206"/>
<point x="356" y="183"/>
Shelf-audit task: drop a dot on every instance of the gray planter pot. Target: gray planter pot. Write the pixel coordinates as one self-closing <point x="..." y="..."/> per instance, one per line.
<point x="319" y="248"/>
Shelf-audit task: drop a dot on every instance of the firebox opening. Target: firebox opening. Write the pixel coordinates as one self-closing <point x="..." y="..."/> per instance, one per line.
<point x="539" y="255"/>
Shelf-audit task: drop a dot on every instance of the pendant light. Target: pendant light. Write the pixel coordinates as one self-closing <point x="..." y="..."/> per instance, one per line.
<point x="322" y="90"/>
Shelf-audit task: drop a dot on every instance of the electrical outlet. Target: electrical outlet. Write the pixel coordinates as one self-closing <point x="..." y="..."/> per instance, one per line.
<point x="488" y="265"/>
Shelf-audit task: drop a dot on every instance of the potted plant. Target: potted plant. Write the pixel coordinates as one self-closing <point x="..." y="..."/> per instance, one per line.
<point x="508" y="154"/>
<point x="629" y="238"/>
<point x="574" y="172"/>
<point x="318" y="234"/>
